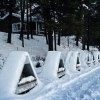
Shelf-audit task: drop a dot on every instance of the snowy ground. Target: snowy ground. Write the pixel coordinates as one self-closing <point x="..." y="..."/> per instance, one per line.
<point x="83" y="85"/>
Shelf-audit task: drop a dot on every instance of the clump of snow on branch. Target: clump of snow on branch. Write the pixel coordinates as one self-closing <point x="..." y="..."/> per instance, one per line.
<point x="84" y="5"/>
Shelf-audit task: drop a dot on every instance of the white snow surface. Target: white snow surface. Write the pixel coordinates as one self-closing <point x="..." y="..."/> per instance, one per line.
<point x="84" y="5"/>
<point x="82" y="85"/>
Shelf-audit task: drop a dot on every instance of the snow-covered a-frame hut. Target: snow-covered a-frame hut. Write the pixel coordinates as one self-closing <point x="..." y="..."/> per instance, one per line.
<point x="18" y="75"/>
<point x="53" y="67"/>
<point x="72" y="61"/>
<point x="89" y="59"/>
<point x="95" y="56"/>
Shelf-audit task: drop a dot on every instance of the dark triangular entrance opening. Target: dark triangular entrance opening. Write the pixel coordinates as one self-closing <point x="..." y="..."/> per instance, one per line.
<point x="61" y="69"/>
<point x="88" y="60"/>
<point x="78" y="65"/>
<point x="27" y="79"/>
<point x="27" y="71"/>
<point x="99" y="58"/>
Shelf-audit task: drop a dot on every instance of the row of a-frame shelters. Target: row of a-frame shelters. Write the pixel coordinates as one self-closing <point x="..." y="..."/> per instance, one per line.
<point x="18" y="75"/>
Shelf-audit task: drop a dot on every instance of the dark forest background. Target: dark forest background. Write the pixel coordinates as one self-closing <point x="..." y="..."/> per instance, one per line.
<point x="60" y="18"/>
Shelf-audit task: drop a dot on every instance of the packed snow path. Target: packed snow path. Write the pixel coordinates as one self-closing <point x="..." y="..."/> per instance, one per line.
<point x="86" y="87"/>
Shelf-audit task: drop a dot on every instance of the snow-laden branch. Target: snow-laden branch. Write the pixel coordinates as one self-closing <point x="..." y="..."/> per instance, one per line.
<point x="84" y="5"/>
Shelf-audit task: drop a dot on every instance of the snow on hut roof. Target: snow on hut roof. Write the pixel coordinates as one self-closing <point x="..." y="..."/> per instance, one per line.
<point x="34" y="6"/>
<point x="13" y="14"/>
<point x="71" y="61"/>
<point x="34" y="18"/>
<point x="51" y="65"/>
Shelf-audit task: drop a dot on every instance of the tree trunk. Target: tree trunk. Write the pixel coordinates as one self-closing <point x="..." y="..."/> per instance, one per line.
<point x="88" y="39"/>
<point x="22" y="20"/>
<point x="27" y="22"/>
<point x="77" y="39"/>
<point x="10" y="22"/>
<point x="45" y="33"/>
<point x="31" y="22"/>
<point x="83" y="42"/>
<point x="84" y="35"/>
<point x="68" y="40"/>
<point x="88" y="35"/>
<point x="50" y="37"/>
<point x="37" y="27"/>
<point x="55" y="40"/>
<point x="59" y="37"/>
<point x="54" y="32"/>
